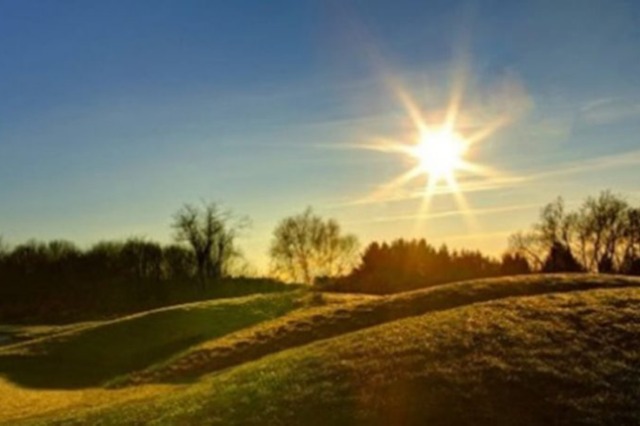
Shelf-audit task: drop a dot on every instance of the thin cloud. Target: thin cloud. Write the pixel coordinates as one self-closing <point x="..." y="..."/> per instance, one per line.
<point x="627" y="159"/>
<point x="610" y="110"/>
<point x="453" y="213"/>
<point x="489" y="184"/>
<point x="597" y="103"/>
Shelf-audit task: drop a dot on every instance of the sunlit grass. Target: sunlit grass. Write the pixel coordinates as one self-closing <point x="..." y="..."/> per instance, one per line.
<point x="548" y="359"/>
<point x="351" y="360"/>
<point x="350" y="314"/>
<point x="91" y="355"/>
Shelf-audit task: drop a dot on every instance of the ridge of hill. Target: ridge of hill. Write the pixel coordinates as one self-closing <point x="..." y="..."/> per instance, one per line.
<point x="561" y="358"/>
<point x="323" y="322"/>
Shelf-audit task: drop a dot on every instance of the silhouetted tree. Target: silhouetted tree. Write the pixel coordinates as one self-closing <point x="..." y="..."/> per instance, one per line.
<point x="603" y="235"/>
<point x="560" y="259"/>
<point x="58" y="282"/>
<point x="514" y="264"/>
<point x="555" y="227"/>
<point x="602" y="229"/>
<point x="631" y="248"/>
<point x="142" y="260"/>
<point x="179" y="262"/>
<point x="306" y="246"/>
<point x="530" y="247"/>
<point x="210" y="233"/>
<point x="405" y="265"/>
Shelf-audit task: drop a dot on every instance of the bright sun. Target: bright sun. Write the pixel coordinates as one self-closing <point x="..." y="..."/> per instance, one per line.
<point x="440" y="154"/>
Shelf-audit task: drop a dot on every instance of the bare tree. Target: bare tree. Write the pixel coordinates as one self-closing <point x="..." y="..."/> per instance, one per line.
<point x="305" y="247"/>
<point x="210" y="232"/>
<point x="556" y="226"/>
<point x="601" y="231"/>
<point x="603" y="235"/>
<point x="554" y="231"/>
<point x="528" y="246"/>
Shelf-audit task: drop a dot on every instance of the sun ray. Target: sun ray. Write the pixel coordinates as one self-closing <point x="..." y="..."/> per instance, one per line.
<point x="425" y="203"/>
<point x="439" y="152"/>
<point x="455" y="100"/>
<point x="461" y="202"/>
<point x="476" y="169"/>
<point x="488" y="130"/>
<point x="383" y="145"/>
<point x="412" y="109"/>
<point x="383" y="190"/>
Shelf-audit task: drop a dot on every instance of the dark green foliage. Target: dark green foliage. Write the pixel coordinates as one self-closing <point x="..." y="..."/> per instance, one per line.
<point x="93" y="354"/>
<point x="411" y="264"/>
<point x="560" y="259"/>
<point x="56" y="282"/>
<point x="514" y="264"/>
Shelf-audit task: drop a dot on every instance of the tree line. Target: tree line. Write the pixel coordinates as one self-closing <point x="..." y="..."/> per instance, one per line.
<point x="410" y="264"/>
<point x="57" y="281"/>
<point x="602" y="235"/>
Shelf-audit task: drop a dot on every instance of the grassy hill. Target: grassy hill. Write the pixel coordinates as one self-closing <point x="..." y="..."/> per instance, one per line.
<point x="322" y="322"/>
<point x="532" y="350"/>
<point x="88" y="355"/>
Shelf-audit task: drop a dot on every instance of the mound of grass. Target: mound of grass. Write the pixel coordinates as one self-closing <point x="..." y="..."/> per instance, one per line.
<point x="569" y="358"/>
<point x="305" y="326"/>
<point x="91" y="355"/>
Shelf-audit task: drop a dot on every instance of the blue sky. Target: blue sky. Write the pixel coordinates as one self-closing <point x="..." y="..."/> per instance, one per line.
<point x="113" y="114"/>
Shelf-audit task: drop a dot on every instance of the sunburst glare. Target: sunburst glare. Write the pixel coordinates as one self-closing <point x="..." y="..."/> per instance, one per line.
<point x="440" y="152"/>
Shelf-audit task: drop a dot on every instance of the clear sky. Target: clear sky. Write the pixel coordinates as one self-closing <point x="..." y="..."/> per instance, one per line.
<point x="114" y="113"/>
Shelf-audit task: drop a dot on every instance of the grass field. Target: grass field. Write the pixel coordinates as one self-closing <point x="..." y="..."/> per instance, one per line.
<point x="89" y="355"/>
<point x="533" y="350"/>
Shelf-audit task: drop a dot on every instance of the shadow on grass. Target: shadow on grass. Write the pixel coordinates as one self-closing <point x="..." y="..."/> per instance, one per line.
<point x="94" y="355"/>
<point x="312" y="325"/>
<point x="47" y="371"/>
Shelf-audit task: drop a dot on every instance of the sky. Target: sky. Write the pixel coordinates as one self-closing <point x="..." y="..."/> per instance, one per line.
<point x="113" y="114"/>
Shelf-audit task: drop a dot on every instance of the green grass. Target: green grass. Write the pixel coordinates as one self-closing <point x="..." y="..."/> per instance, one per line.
<point x="567" y="358"/>
<point x="91" y="355"/>
<point x="12" y="334"/>
<point x="547" y="349"/>
<point x="308" y="325"/>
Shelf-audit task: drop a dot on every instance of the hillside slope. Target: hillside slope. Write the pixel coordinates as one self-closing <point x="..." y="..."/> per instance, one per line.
<point x="309" y="325"/>
<point x="89" y="355"/>
<point x="569" y="358"/>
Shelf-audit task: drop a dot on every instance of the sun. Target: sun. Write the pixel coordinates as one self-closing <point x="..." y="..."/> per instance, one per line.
<point x="440" y="154"/>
